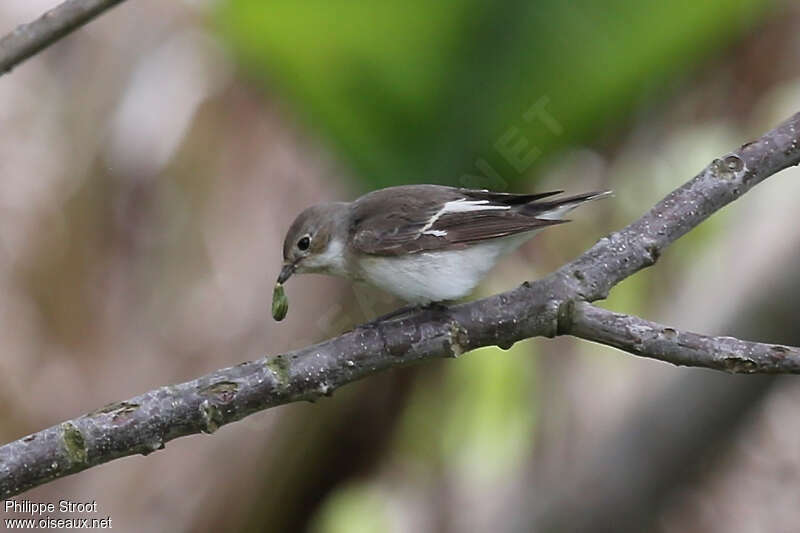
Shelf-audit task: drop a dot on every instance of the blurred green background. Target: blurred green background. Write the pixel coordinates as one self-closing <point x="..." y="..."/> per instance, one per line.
<point x="416" y="92"/>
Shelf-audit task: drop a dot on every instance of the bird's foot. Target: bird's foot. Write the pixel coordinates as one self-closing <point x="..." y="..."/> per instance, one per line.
<point x="436" y="307"/>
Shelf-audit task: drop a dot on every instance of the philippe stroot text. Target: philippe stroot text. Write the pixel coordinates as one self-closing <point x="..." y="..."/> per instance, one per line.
<point x="62" y="514"/>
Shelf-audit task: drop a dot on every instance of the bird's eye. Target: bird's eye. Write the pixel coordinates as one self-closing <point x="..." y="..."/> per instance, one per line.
<point x="304" y="243"/>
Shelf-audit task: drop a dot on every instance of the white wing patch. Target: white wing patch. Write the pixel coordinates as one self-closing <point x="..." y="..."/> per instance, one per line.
<point x="461" y="205"/>
<point x="464" y="205"/>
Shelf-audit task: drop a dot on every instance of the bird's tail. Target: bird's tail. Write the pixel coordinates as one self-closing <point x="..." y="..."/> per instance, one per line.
<point x="556" y="209"/>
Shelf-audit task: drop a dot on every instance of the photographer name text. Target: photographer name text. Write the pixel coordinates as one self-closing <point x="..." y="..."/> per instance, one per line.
<point x="42" y="515"/>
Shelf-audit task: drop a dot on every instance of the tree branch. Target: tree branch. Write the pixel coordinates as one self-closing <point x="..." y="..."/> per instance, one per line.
<point x="553" y="306"/>
<point x="29" y="39"/>
<point x="642" y="337"/>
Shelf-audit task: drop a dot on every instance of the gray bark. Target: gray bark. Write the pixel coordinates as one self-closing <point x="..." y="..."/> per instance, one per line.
<point x="29" y="39"/>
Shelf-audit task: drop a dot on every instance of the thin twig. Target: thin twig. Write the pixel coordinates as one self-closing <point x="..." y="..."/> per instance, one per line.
<point x="29" y="39"/>
<point x="642" y="337"/>
<point x="556" y="305"/>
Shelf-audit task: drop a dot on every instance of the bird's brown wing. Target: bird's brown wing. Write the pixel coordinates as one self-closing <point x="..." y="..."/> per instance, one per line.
<point x="412" y="219"/>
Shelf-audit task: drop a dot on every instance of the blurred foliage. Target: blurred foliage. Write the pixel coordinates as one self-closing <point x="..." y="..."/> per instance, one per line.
<point x="420" y="91"/>
<point x="355" y="508"/>
<point x="479" y="415"/>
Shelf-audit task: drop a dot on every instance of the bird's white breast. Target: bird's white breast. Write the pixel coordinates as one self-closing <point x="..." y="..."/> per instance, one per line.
<point x="439" y="275"/>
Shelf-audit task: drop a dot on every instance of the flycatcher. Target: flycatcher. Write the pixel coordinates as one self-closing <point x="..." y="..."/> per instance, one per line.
<point x="422" y="243"/>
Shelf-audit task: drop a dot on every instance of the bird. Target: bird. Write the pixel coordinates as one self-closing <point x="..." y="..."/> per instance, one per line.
<point x="426" y="244"/>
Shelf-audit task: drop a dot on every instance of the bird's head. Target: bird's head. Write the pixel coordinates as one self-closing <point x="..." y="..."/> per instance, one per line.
<point x="315" y="241"/>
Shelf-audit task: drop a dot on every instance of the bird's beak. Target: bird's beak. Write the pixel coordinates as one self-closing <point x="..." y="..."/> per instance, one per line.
<point x="286" y="272"/>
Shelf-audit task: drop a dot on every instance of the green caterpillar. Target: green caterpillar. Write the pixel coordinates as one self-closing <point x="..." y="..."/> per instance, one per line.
<point x="280" y="303"/>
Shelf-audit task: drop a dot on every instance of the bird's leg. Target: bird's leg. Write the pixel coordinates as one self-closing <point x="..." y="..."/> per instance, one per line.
<point x="403" y="311"/>
<point x="436" y="307"/>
